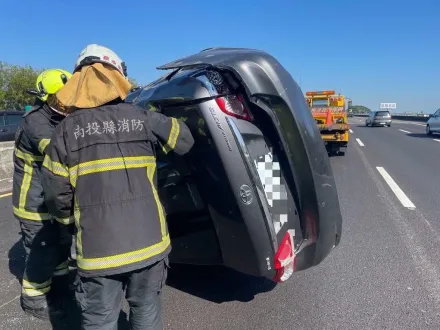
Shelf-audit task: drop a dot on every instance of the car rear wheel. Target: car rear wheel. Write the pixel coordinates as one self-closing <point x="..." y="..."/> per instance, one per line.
<point x="389" y="125"/>
<point x="428" y="130"/>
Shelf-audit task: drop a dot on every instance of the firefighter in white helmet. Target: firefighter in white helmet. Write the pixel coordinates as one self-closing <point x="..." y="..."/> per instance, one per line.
<point x="101" y="169"/>
<point x="47" y="245"/>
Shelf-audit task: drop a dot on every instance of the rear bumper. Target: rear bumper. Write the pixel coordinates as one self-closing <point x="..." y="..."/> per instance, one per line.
<point x="335" y="137"/>
<point x="377" y="122"/>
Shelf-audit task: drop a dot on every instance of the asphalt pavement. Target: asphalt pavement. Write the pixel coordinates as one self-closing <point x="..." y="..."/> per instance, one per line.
<point x="385" y="274"/>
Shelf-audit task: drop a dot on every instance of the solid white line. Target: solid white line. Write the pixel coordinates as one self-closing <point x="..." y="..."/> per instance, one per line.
<point x="396" y="189"/>
<point x="402" y="130"/>
<point x="408" y="122"/>
<point x="6" y="195"/>
<point x="350" y="130"/>
<point x="436" y="140"/>
<point x="8" y="302"/>
<point x="360" y="142"/>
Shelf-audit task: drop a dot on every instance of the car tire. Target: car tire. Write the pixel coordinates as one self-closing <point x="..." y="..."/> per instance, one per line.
<point x="428" y="130"/>
<point x="389" y="125"/>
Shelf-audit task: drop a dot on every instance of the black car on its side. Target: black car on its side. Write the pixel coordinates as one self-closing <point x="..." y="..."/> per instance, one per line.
<point x="256" y="193"/>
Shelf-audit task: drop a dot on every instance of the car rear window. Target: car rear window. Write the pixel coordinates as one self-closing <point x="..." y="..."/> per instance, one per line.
<point x="382" y="113"/>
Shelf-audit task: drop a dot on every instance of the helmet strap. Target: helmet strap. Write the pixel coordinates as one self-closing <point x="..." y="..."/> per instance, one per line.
<point x="57" y="111"/>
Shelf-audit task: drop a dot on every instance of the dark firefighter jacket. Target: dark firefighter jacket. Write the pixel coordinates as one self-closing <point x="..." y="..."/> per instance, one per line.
<point x="101" y="168"/>
<point x="31" y="139"/>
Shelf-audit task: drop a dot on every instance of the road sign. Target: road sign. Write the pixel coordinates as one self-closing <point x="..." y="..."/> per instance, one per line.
<point x="388" y="106"/>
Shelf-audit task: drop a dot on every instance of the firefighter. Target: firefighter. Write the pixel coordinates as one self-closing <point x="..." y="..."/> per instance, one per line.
<point x="46" y="243"/>
<point x="101" y="169"/>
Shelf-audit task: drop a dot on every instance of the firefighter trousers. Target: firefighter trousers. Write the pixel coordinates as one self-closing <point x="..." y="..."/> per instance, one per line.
<point x="47" y="250"/>
<point x="100" y="298"/>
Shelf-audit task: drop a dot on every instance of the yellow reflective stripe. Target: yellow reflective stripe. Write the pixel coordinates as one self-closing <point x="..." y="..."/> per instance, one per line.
<point x="35" y="292"/>
<point x="25" y="185"/>
<point x="62" y="265"/>
<point x="27" y="157"/>
<point x="61" y="272"/>
<point x="43" y="144"/>
<point x="174" y="134"/>
<point x="77" y="216"/>
<point x="109" y="164"/>
<point x="62" y="269"/>
<point x="31" y="215"/>
<point x="150" y="174"/>
<point x="125" y="258"/>
<point x="35" y="289"/>
<point x="65" y="221"/>
<point x="33" y="285"/>
<point x="55" y="167"/>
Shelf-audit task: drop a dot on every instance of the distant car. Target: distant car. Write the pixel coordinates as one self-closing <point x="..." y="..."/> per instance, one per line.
<point x="379" y="118"/>
<point x="433" y="124"/>
<point x="9" y="121"/>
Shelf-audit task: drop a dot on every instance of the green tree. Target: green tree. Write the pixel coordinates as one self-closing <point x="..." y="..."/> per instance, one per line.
<point x="133" y="82"/>
<point x="14" y="81"/>
<point x="359" y="109"/>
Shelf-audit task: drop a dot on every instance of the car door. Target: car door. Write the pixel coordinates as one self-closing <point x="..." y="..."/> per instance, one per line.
<point x="11" y="121"/>
<point x="435" y="122"/>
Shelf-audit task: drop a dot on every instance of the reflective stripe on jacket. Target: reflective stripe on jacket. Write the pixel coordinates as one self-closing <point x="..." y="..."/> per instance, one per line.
<point x="101" y="172"/>
<point x="32" y="138"/>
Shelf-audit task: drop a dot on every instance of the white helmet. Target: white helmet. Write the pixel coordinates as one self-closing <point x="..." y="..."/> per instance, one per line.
<point x="94" y="53"/>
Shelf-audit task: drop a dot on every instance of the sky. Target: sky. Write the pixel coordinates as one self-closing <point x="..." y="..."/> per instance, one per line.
<point x="371" y="51"/>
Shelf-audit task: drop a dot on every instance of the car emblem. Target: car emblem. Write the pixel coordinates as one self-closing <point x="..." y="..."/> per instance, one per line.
<point x="246" y="194"/>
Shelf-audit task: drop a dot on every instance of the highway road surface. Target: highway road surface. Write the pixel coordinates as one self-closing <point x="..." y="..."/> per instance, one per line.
<point x="384" y="275"/>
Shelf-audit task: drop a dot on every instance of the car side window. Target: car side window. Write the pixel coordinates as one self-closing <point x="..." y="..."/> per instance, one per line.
<point x="13" y="119"/>
<point x="437" y="114"/>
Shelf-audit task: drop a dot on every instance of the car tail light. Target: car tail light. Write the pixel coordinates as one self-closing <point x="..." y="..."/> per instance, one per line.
<point x="234" y="106"/>
<point x="285" y="258"/>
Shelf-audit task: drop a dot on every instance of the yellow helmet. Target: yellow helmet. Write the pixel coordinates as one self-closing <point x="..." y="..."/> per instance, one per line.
<point x="51" y="81"/>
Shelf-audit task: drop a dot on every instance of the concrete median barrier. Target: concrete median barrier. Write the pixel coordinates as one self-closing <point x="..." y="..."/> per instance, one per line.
<point x="422" y="119"/>
<point x="6" y="166"/>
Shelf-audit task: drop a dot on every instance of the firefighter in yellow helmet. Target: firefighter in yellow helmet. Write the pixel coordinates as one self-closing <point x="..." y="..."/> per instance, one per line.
<point x="101" y="169"/>
<point x="46" y="242"/>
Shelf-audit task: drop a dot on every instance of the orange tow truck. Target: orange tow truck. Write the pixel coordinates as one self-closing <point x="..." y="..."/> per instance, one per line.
<point x="330" y="113"/>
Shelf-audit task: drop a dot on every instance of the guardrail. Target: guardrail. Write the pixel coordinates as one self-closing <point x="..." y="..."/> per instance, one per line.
<point x="421" y="118"/>
<point x="6" y="165"/>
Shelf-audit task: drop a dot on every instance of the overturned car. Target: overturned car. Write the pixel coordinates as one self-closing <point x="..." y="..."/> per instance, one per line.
<point x="256" y="193"/>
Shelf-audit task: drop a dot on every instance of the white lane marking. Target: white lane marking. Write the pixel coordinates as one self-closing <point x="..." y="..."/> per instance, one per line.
<point x="415" y="237"/>
<point x="350" y="130"/>
<point x="8" y="302"/>
<point x="402" y="130"/>
<point x="407" y="122"/>
<point x="6" y="195"/>
<point x="406" y="202"/>
<point x="436" y="140"/>
<point x="360" y="142"/>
